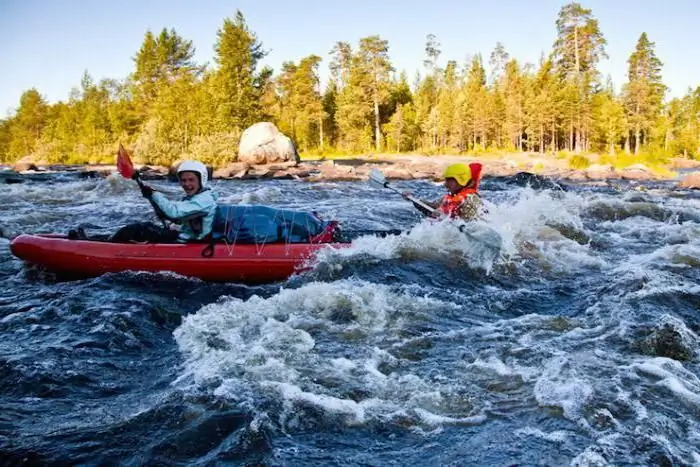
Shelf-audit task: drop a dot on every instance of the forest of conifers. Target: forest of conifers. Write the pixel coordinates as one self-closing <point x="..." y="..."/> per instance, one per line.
<point x="170" y="107"/>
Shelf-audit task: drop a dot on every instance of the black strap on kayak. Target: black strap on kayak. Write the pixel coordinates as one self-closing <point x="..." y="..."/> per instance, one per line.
<point x="208" y="250"/>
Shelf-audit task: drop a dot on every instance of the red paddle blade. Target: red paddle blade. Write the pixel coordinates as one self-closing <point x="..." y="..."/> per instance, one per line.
<point x="124" y="165"/>
<point x="476" y="173"/>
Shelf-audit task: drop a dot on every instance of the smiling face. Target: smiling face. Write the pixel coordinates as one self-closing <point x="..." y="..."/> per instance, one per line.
<point x="189" y="181"/>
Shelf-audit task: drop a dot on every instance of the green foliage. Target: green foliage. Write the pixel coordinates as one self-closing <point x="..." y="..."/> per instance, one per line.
<point x="644" y="92"/>
<point x="5" y="137"/>
<point x="402" y="129"/>
<point x="170" y="107"/>
<point x="236" y="88"/>
<point x="216" y="149"/>
<point x="299" y="110"/>
<point x="362" y="79"/>
<point x="621" y="160"/>
<point x="28" y="124"/>
<point x="579" y="161"/>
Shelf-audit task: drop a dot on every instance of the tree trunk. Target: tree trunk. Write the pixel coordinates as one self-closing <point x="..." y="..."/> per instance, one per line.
<point x="320" y="132"/>
<point x="578" y="62"/>
<point x="377" y="132"/>
<point x="541" y="139"/>
<point x="554" y="141"/>
<point x="571" y="135"/>
<point x="578" y="137"/>
<point x="636" y="130"/>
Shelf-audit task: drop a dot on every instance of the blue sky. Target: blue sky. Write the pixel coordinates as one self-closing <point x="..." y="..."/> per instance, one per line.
<point x="48" y="44"/>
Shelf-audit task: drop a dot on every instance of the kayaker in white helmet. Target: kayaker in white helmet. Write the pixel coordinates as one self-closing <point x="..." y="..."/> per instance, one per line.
<point x="194" y="213"/>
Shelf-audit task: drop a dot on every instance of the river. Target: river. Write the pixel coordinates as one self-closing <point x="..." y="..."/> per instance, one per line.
<point x="576" y="344"/>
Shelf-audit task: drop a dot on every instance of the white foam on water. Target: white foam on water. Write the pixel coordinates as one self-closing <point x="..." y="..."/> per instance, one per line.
<point x="557" y="436"/>
<point x="434" y="241"/>
<point x="673" y="376"/>
<point x="687" y="232"/>
<point x="264" y="195"/>
<point x="335" y="405"/>
<point x="530" y="224"/>
<point x="678" y="255"/>
<point x="438" y="420"/>
<point x="655" y="273"/>
<point x="494" y="365"/>
<point x="589" y="458"/>
<point x="317" y="346"/>
<point x="561" y="386"/>
<point x="509" y="231"/>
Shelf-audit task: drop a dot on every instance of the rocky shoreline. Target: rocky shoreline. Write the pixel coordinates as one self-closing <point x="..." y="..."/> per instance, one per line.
<point x="394" y="168"/>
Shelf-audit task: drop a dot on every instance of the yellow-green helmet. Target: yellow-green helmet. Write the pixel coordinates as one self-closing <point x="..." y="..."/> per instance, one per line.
<point x="460" y="172"/>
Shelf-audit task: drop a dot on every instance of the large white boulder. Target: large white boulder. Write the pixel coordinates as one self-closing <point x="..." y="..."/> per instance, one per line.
<point x="263" y="143"/>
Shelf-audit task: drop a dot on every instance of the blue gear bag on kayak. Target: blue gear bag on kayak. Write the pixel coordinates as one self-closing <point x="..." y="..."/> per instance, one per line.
<point x="263" y="224"/>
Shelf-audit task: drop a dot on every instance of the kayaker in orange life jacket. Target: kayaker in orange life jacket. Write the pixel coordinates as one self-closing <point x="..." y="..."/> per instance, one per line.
<point x="462" y="200"/>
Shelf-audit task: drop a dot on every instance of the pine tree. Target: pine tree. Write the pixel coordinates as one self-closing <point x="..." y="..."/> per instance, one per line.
<point x="122" y="113"/>
<point x="688" y="125"/>
<point x="353" y="106"/>
<point x="5" y="136"/>
<point x="27" y="124"/>
<point x="363" y="79"/>
<point x="447" y="130"/>
<point x="238" y="52"/>
<point x="396" y="130"/>
<point x="147" y="70"/>
<point x="514" y="92"/>
<point x="497" y="87"/>
<point x="330" y="107"/>
<point x="401" y="129"/>
<point x="644" y="92"/>
<point x="301" y="107"/>
<point x="543" y="105"/>
<point x="373" y="55"/>
<point x="476" y="104"/>
<point x="399" y="94"/>
<point x="608" y="118"/>
<point x="577" y="50"/>
<point x="432" y="54"/>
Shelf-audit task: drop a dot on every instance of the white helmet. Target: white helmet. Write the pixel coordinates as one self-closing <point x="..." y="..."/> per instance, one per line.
<point x="196" y="167"/>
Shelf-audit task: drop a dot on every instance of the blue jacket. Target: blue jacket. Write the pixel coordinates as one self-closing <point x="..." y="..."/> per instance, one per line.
<point x="195" y="213"/>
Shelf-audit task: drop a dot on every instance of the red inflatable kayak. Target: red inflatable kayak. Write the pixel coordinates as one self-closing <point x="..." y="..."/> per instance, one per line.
<point x="250" y="264"/>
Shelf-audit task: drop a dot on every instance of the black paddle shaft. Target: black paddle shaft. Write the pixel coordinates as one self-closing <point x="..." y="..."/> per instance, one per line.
<point x="159" y="212"/>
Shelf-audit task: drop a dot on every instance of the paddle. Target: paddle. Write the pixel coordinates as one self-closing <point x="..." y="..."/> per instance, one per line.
<point x="126" y="169"/>
<point x="376" y="178"/>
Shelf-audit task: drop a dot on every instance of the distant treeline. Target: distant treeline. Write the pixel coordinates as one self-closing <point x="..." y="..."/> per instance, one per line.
<point x="171" y="107"/>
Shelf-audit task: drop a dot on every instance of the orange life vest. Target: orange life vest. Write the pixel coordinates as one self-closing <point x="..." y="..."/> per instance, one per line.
<point x="452" y="202"/>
